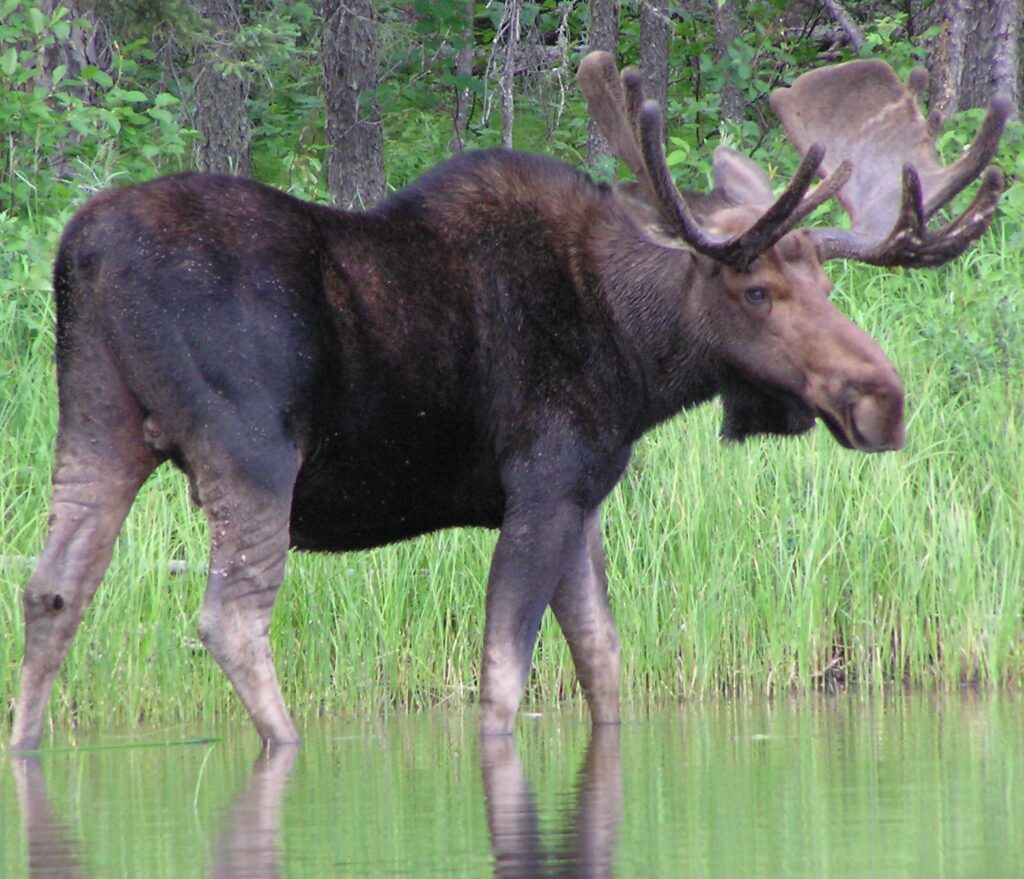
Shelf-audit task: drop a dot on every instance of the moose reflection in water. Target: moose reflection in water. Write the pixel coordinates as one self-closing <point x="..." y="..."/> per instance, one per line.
<point x="246" y="846"/>
<point x="249" y="842"/>
<point x="585" y="847"/>
<point x="53" y="850"/>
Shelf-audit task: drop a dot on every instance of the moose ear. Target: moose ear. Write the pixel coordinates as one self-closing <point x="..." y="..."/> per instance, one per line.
<point x="740" y="179"/>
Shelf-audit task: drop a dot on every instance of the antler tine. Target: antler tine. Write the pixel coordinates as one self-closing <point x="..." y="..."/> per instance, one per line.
<point x="672" y="202"/>
<point x="738" y="251"/>
<point x="787" y="210"/>
<point x="882" y="132"/>
<point x="828" y="188"/>
<point x="953" y="239"/>
<point x="599" y="81"/>
<point x="907" y="246"/>
<point x="917" y="82"/>
<point x="979" y="154"/>
<point x="633" y="84"/>
<point x="634" y="129"/>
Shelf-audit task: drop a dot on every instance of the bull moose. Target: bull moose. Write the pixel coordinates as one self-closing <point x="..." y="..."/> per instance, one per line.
<point x="481" y="349"/>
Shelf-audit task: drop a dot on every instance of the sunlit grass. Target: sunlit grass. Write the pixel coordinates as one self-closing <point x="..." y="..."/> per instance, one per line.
<point x="769" y="566"/>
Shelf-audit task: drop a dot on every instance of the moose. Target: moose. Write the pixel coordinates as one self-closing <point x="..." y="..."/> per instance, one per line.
<point x="483" y="348"/>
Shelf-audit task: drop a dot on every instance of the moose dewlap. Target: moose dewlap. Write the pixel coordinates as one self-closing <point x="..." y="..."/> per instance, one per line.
<point x="483" y="348"/>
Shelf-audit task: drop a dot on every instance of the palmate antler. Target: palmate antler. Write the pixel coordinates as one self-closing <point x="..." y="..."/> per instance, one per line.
<point x="859" y="126"/>
<point x="633" y="128"/>
<point x="864" y="114"/>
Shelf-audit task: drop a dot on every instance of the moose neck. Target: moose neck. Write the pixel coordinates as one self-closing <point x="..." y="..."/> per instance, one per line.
<point x="654" y="292"/>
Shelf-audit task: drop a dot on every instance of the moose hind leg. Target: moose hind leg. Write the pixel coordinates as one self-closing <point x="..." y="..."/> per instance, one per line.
<point x="249" y="540"/>
<point x="94" y="485"/>
<point x="580" y="605"/>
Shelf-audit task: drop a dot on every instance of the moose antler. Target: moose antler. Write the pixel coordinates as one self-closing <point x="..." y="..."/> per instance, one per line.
<point x="633" y="128"/>
<point x="866" y="115"/>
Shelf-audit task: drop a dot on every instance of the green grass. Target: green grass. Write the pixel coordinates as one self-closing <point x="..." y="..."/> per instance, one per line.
<point x="773" y="565"/>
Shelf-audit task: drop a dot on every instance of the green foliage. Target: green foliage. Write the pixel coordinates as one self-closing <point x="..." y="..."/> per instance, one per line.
<point x="764" y="55"/>
<point x="61" y="133"/>
<point x="280" y="45"/>
<point x="886" y="39"/>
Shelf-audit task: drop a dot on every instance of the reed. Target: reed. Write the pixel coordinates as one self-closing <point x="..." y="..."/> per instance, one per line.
<point x="775" y="565"/>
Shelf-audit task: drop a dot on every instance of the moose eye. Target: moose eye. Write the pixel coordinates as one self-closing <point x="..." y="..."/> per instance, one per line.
<point x="756" y="295"/>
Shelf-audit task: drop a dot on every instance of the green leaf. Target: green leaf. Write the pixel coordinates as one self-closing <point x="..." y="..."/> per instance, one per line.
<point x="98" y="76"/>
<point x="129" y="97"/>
<point x="36" y="20"/>
<point x="462" y="81"/>
<point x="58" y="73"/>
<point x="9" y="61"/>
<point x="62" y="30"/>
<point x="161" y="115"/>
<point x="165" y="99"/>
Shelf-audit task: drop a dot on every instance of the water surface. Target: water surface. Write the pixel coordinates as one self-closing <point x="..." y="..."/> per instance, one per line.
<point x="845" y="787"/>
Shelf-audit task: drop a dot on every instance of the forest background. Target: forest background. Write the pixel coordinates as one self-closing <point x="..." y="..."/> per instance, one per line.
<point x="769" y="567"/>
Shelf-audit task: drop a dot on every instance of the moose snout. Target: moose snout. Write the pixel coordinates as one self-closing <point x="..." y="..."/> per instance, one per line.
<point x="875" y="418"/>
<point x="860" y="399"/>
<point x="855" y="389"/>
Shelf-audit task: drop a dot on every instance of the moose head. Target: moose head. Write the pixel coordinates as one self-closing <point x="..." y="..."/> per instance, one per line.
<point x="789" y="354"/>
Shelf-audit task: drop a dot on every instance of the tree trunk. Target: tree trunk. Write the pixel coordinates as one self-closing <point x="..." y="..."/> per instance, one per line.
<point x="1006" y="57"/>
<point x="463" y="96"/>
<point x="655" y="32"/>
<point x="83" y="46"/>
<point x="219" y="95"/>
<point x="946" y="60"/>
<point x="510" y="24"/>
<point x="604" y="35"/>
<point x="727" y="28"/>
<point x="355" y="150"/>
<point x="990" y="57"/>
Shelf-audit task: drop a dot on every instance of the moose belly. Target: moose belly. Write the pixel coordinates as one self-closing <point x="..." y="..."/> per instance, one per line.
<point x="344" y="502"/>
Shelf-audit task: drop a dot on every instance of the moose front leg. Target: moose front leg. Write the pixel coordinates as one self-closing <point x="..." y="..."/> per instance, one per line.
<point x="529" y="560"/>
<point x="580" y="605"/>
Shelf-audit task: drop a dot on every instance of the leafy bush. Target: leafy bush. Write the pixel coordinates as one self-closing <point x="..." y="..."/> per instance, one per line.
<point x="60" y="133"/>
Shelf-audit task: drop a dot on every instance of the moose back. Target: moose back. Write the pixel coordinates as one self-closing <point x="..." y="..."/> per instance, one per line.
<point x="483" y="348"/>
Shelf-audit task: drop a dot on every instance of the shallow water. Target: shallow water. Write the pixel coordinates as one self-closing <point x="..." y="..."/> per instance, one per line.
<point x="841" y="787"/>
